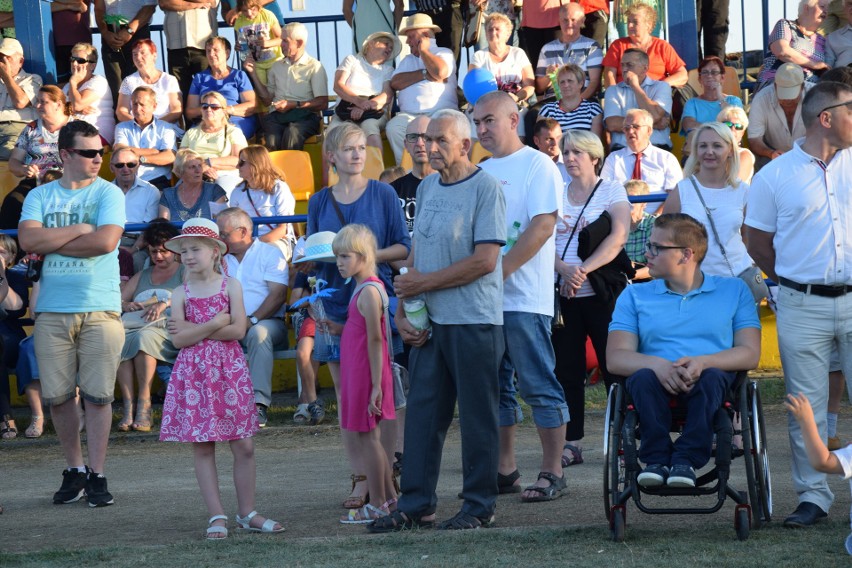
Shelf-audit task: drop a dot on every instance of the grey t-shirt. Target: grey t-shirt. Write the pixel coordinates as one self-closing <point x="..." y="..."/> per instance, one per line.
<point x="451" y="220"/>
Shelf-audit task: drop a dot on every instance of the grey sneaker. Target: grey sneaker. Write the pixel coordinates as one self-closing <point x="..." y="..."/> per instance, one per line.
<point x="261" y="416"/>
<point x="654" y="475"/>
<point x="72" y="489"/>
<point x="96" y="490"/>
<point x="317" y="411"/>
<point x="681" y="475"/>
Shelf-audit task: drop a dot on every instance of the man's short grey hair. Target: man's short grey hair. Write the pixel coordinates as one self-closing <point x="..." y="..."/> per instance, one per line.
<point x="236" y="217"/>
<point x="641" y="115"/>
<point x="459" y="124"/>
<point x="115" y="154"/>
<point x="296" y="30"/>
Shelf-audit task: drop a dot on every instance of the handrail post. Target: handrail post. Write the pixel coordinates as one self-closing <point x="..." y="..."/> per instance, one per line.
<point x="34" y="28"/>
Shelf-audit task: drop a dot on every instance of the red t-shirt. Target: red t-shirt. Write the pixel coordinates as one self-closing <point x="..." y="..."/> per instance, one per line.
<point x="590" y="6"/>
<point x="540" y="14"/>
<point x="663" y="59"/>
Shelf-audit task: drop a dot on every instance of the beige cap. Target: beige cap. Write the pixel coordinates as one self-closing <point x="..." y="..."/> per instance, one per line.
<point x="10" y="46"/>
<point x="788" y="81"/>
<point x="418" y="22"/>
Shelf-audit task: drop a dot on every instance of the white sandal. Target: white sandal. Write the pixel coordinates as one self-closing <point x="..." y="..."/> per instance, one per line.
<point x="268" y="525"/>
<point x="366" y="515"/>
<point x="302" y="416"/>
<point x="217" y="529"/>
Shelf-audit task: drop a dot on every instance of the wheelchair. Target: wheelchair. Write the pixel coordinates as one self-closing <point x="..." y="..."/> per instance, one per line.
<point x="621" y="463"/>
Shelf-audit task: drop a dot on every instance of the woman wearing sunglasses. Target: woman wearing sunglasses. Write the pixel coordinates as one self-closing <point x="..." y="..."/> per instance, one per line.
<point x="736" y="119"/>
<point x="169" y="105"/>
<point x="88" y="94"/>
<point x="217" y="141"/>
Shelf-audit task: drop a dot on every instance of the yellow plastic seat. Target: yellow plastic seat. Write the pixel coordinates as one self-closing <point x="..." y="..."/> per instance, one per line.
<point x="105" y="172"/>
<point x="406" y="161"/>
<point x="296" y="165"/>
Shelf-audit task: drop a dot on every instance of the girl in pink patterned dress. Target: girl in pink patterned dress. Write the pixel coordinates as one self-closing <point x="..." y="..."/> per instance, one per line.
<point x="366" y="381"/>
<point x="210" y="396"/>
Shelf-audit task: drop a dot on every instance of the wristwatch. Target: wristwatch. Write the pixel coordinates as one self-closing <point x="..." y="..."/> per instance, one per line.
<point x="425" y="74"/>
<point x="143" y="160"/>
<point x="253" y="319"/>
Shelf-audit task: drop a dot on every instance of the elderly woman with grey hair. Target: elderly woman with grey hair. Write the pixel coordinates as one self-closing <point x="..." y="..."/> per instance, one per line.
<point x="191" y="197"/>
<point x="797" y="41"/>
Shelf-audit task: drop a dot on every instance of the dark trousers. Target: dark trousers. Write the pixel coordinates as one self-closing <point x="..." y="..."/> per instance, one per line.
<point x="119" y="64"/>
<point x="184" y="63"/>
<point x="596" y="27"/>
<point x="289" y="135"/>
<point x="713" y="21"/>
<point x="695" y="444"/>
<point x="451" y="21"/>
<point x="459" y="362"/>
<point x="533" y="39"/>
<point x="583" y="317"/>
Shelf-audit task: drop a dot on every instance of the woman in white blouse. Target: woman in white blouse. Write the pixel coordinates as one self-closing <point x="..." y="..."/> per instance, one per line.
<point x="88" y="94"/>
<point x="169" y="105"/>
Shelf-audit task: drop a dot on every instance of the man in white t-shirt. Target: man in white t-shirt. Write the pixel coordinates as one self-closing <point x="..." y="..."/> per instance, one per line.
<point x="262" y="271"/>
<point x="533" y="189"/>
<point x="425" y="80"/>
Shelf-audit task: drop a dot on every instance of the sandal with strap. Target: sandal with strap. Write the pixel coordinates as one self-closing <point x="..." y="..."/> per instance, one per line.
<point x="8" y="430"/>
<point x="505" y="483"/>
<point x="217" y="532"/>
<point x="399" y="521"/>
<point x="366" y="515"/>
<point x="464" y="521"/>
<point x="35" y="428"/>
<point x="576" y="457"/>
<point x="268" y="525"/>
<point x="143" y="420"/>
<point x="302" y="416"/>
<point x="555" y="490"/>
<point x="126" y="417"/>
<point x="356" y="501"/>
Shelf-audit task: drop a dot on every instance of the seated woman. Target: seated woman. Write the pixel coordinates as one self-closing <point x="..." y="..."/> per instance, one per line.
<point x="573" y="112"/>
<point x="797" y="41"/>
<point x="89" y="94"/>
<point x="217" y="141"/>
<point x="13" y="306"/>
<point x="664" y="65"/>
<point x="736" y="119"/>
<point x="191" y="197"/>
<point x="264" y="193"/>
<point x="36" y="152"/>
<point x="706" y="106"/>
<point x="148" y="293"/>
<point x="169" y="105"/>
<point x="233" y="84"/>
<point x="363" y="84"/>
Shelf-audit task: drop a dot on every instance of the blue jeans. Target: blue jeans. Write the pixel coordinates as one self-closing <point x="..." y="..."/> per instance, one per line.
<point x="695" y="444"/>
<point x="530" y="353"/>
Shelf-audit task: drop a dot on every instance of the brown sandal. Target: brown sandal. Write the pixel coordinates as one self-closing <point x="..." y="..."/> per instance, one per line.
<point x="8" y="430"/>
<point x="126" y="417"/>
<point x="356" y="501"/>
<point x="143" y="420"/>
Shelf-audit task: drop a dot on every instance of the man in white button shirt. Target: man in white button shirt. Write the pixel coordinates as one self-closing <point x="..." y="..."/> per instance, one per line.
<point x="799" y="233"/>
<point x="262" y="271"/>
<point x="141" y="201"/>
<point x="17" y="95"/>
<point x="656" y="167"/>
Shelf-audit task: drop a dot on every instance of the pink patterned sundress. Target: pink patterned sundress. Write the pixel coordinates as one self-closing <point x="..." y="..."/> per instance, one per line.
<point x="210" y="397"/>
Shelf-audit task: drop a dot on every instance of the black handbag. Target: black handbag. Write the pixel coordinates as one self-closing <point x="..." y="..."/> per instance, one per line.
<point x="611" y="279"/>
<point x="343" y="110"/>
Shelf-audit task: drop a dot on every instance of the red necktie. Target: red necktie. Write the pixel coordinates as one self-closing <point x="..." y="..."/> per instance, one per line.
<point x="637" y="166"/>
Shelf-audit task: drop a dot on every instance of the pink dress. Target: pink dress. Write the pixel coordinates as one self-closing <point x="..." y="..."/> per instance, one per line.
<point x="355" y="377"/>
<point x="210" y="396"/>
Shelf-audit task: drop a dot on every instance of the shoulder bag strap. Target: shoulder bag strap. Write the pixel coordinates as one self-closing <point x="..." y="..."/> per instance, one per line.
<point x="385" y="308"/>
<point x="712" y="225"/>
<point x="336" y="206"/>
<point x="574" y="230"/>
<point x="253" y="206"/>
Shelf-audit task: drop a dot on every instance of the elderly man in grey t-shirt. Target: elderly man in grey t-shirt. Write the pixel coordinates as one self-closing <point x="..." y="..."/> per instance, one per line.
<point x="459" y="229"/>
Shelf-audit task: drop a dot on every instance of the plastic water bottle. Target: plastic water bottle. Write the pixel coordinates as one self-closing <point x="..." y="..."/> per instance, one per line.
<point x="554" y="83"/>
<point x="242" y="46"/>
<point x="415" y="308"/>
<point x="512" y="237"/>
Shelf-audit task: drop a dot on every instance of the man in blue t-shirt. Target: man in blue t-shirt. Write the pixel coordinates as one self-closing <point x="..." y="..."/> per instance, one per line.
<point x="683" y="335"/>
<point x="76" y="223"/>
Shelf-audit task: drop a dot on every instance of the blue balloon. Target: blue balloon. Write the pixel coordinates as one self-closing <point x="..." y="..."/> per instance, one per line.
<point x="477" y="82"/>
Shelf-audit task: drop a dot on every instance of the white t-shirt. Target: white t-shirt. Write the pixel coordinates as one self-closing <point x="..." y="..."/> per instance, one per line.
<point x="608" y="193"/>
<point x="532" y="186"/>
<point x="165" y="85"/>
<point x="104" y="117"/>
<point x="845" y="457"/>
<point x="278" y="203"/>
<point x="365" y="79"/>
<point x="428" y="96"/>
<point x="262" y="263"/>
<point x="509" y="72"/>
<point x="727" y="206"/>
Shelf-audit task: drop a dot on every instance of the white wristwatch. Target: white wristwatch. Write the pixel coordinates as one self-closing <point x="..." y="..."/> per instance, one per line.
<point x="253" y="319"/>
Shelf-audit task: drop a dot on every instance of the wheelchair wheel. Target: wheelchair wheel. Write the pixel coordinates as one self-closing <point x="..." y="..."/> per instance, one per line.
<point x="613" y="464"/>
<point x="755" y="454"/>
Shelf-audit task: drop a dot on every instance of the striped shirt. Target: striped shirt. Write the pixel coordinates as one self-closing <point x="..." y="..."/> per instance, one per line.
<point x="578" y="119"/>
<point x="583" y="52"/>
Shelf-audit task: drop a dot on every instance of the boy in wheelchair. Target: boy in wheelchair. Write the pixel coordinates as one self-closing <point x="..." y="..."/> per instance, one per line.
<point x="683" y="334"/>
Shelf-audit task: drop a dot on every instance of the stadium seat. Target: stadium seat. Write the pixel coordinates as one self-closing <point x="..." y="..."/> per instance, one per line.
<point x="296" y="165"/>
<point x="478" y="153"/>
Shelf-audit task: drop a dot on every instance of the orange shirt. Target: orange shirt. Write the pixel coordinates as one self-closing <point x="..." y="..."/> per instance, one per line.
<point x="664" y="60"/>
<point x="590" y="6"/>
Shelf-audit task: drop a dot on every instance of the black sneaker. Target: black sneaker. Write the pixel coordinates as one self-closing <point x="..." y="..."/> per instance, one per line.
<point x="96" y="490"/>
<point x="72" y="489"/>
<point x="681" y="475"/>
<point x="317" y="411"/>
<point x="261" y="416"/>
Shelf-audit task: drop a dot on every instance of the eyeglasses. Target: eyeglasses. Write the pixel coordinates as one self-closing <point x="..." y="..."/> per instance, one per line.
<point x="90" y="154"/>
<point x="206" y="106"/>
<point x="654" y="249"/>
<point x="226" y="234"/>
<point x="122" y="165"/>
<point x="846" y="104"/>
<point x="627" y="127"/>
<point x="80" y="60"/>
<point x="711" y="73"/>
<point x="734" y="125"/>
<point x="414" y="137"/>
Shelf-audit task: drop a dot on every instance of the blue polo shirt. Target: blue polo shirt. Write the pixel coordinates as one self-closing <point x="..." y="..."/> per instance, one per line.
<point x="672" y="325"/>
<point x="159" y="135"/>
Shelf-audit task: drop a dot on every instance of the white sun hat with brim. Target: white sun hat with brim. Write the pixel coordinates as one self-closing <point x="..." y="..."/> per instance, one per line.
<point x="318" y="248"/>
<point x="198" y="228"/>
<point x="397" y="45"/>
<point x="418" y="22"/>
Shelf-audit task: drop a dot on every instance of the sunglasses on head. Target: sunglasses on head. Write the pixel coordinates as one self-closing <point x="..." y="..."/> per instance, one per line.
<point x="122" y="165"/>
<point x="90" y="154"/>
<point x="80" y="60"/>
<point x="205" y="106"/>
<point x="734" y="125"/>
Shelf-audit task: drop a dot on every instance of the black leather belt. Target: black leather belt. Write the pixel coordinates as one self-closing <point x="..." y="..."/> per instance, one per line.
<point x="816" y="289"/>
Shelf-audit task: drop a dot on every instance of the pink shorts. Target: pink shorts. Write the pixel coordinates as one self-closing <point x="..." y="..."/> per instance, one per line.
<point x="307" y="329"/>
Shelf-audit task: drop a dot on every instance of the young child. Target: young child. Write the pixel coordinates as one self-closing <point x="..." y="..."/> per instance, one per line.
<point x="838" y="461"/>
<point x="210" y="397"/>
<point x="366" y="382"/>
<point x="641" y="224"/>
<point x="311" y="408"/>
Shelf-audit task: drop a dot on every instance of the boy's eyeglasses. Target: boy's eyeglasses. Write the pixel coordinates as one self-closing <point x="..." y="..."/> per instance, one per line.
<point x="654" y="249"/>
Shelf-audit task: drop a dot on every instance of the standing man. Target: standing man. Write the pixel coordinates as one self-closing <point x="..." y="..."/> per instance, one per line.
<point x="406" y="186"/>
<point x="799" y="209"/>
<point x="76" y="222"/>
<point x="261" y="269"/>
<point x="141" y="202"/>
<point x="597" y="19"/>
<point x="455" y="254"/>
<point x="713" y="23"/>
<point x="17" y="95"/>
<point x="188" y="25"/>
<point x="532" y="188"/>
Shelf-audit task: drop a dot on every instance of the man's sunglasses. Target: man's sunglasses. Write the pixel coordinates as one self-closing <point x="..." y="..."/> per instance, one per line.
<point x="80" y="60"/>
<point x="90" y="154"/>
<point x="122" y="165"/>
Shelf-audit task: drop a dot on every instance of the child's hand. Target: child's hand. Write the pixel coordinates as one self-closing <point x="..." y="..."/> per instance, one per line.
<point x="222" y="319"/>
<point x="799" y="407"/>
<point x="375" y="407"/>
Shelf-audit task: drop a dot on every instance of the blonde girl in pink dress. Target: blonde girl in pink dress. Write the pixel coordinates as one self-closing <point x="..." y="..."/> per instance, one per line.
<point x="210" y="396"/>
<point x="366" y="381"/>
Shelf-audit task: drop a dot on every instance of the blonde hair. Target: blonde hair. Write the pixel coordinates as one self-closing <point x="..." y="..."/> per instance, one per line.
<point x="11" y="247"/>
<point x="391" y="174"/>
<point x="210" y="243"/>
<point x="636" y="187"/>
<point x="498" y="18"/>
<point x="88" y="49"/>
<point x="733" y="114"/>
<point x="337" y="137"/>
<point x="732" y="168"/>
<point x="183" y="156"/>
<point x="264" y="172"/>
<point x="220" y="99"/>
<point x="641" y="7"/>
<point x="359" y="239"/>
<point x="587" y="142"/>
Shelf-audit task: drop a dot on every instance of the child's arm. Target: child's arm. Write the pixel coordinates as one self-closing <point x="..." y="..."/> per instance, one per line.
<point x="236" y="326"/>
<point x="370" y="306"/>
<point x="184" y="333"/>
<point x="821" y="459"/>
